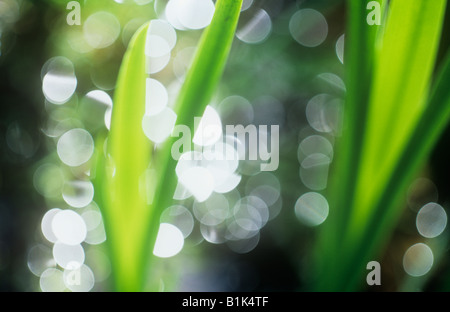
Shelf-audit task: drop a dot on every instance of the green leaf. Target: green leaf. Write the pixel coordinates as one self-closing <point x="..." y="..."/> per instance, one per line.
<point x="198" y="88"/>
<point x="388" y="133"/>
<point x="399" y="92"/>
<point x="359" y="66"/>
<point x="131" y="216"/>
<point x="431" y="125"/>
<point x="125" y="205"/>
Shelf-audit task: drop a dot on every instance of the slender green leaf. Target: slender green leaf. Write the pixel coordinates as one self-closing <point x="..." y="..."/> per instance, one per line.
<point x="200" y="83"/>
<point x="399" y="92"/>
<point x="359" y="37"/>
<point x="125" y="205"/>
<point x="195" y="94"/>
<point x="132" y="219"/>
<point x="402" y="77"/>
<point x="384" y="115"/>
<point x="431" y="125"/>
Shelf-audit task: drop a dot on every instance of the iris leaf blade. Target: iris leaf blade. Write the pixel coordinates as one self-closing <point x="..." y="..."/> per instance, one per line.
<point x="124" y="205"/>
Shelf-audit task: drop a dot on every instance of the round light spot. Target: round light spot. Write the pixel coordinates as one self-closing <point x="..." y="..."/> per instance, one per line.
<point x="243" y="228"/>
<point x="94" y="225"/>
<point x="198" y="181"/>
<point x="431" y="220"/>
<point x="418" y="260"/>
<point x="59" y="82"/>
<point x="58" y="89"/>
<point x="263" y="179"/>
<point x="340" y="48"/>
<point x="96" y="236"/>
<point x="101" y="30"/>
<point x="311" y="209"/>
<point x="58" y="65"/>
<point x="314" y="171"/>
<point x="158" y="52"/>
<point x="267" y="193"/>
<point x="213" y="211"/>
<point x="334" y="83"/>
<point x="257" y="29"/>
<point x="179" y="216"/>
<point x="323" y="113"/>
<point x="314" y="144"/>
<point x="156" y="64"/>
<point x="79" y="279"/>
<point x="251" y="213"/>
<point x="92" y="218"/>
<point x="69" y="227"/>
<point x="156" y="97"/>
<point x="164" y="30"/>
<point x="75" y="147"/>
<point x="159" y="7"/>
<point x="46" y="225"/>
<point x="58" y="125"/>
<point x="52" y="280"/>
<point x="101" y="97"/>
<point x="68" y="256"/>
<point x="169" y="241"/>
<point x="308" y="27"/>
<point x="156" y="46"/>
<point x="188" y="160"/>
<point x="246" y="4"/>
<point x="245" y="245"/>
<point x="78" y="194"/>
<point x="221" y="159"/>
<point x="39" y="259"/>
<point x="228" y="184"/>
<point x="181" y="193"/>
<point x="195" y="14"/>
<point x="48" y="180"/>
<point x="171" y="11"/>
<point x="77" y="42"/>
<point x="159" y="127"/>
<point x="213" y="234"/>
<point x="209" y="130"/>
<point x="221" y="163"/>
<point x="107" y="118"/>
